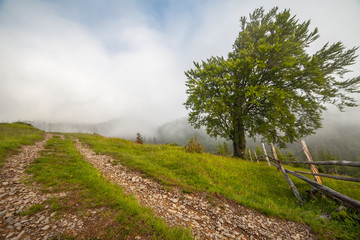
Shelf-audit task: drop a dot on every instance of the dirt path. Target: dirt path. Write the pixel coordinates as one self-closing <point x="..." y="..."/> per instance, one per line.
<point x="16" y="196"/>
<point x="218" y="219"/>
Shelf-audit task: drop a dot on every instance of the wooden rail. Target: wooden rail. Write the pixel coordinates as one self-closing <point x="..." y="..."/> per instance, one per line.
<point x="338" y="163"/>
<point x="323" y="189"/>
<point x="317" y="184"/>
<point x="332" y="176"/>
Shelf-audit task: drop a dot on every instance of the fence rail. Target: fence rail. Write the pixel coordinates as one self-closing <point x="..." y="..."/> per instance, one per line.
<point x="315" y="184"/>
<point x="331" y="176"/>
<point x="337" y="163"/>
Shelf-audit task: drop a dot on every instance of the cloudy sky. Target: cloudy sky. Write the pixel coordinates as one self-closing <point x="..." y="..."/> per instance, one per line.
<point x="93" y="60"/>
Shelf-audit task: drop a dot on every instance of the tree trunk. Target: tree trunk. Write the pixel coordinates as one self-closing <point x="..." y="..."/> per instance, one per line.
<point x="239" y="141"/>
<point x="239" y="149"/>
<point x="240" y="146"/>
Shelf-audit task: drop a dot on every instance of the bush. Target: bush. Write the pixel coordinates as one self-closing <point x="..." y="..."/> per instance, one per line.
<point x="139" y="139"/>
<point x="194" y="146"/>
<point x="223" y="149"/>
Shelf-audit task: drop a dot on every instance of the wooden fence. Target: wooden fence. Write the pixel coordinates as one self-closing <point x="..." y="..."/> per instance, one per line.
<point x="317" y="184"/>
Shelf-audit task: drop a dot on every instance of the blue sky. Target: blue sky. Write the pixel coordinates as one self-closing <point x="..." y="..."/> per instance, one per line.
<point x="92" y="61"/>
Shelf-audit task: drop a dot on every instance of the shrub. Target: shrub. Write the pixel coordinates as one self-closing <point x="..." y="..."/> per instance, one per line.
<point x="223" y="149"/>
<point x="194" y="146"/>
<point x="139" y="138"/>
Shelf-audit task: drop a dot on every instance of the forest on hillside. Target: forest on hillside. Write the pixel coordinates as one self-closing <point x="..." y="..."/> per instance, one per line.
<point x="342" y="142"/>
<point x="339" y="139"/>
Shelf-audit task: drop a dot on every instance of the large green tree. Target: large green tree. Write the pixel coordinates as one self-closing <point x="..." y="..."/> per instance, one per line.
<point x="270" y="85"/>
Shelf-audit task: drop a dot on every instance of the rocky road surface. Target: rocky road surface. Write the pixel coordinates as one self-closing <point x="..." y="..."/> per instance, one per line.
<point x="215" y="218"/>
<point x="16" y="196"/>
<point x="218" y="219"/>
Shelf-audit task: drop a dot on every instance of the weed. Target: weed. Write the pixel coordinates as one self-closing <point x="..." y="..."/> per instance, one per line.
<point x="194" y="146"/>
<point x="33" y="209"/>
<point x="186" y="191"/>
<point x="55" y="204"/>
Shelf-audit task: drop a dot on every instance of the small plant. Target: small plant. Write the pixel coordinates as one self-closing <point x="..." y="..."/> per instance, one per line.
<point x="32" y="210"/>
<point x="139" y="138"/>
<point x="223" y="149"/>
<point x="194" y="146"/>
<point x="173" y="144"/>
<point x="55" y="204"/>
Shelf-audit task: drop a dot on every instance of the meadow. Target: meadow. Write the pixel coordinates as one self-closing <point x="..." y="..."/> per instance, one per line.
<point x="12" y="136"/>
<point x="255" y="185"/>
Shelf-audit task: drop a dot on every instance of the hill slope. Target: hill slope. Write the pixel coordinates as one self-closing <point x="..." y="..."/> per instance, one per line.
<point x="255" y="185"/>
<point x="221" y="181"/>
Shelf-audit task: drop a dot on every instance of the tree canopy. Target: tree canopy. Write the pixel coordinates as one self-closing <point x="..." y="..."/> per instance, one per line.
<point x="269" y="85"/>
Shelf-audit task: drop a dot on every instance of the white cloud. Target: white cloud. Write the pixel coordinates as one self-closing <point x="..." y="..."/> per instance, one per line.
<point x="56" y="65"/>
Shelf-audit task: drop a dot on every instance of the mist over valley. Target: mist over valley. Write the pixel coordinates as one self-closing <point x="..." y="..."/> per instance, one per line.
<point x="339" y="135"/>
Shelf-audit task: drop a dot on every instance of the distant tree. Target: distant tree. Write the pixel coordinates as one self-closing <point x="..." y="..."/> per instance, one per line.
<point x="290" y="157"/>
<point x="226" y="149"/>
<point x="139" y="138"/>
<point x="258" y="151"/>
<point x="269" y="85"/>
<point x="220" y="149"/>
<point x="279" y="154"/>
<point x="331" y="157"/>
<point x="194" y="146"/>
<point x="223" y="149"/>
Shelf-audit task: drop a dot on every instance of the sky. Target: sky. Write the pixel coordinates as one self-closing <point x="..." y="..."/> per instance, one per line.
<point x="93" y="61"/>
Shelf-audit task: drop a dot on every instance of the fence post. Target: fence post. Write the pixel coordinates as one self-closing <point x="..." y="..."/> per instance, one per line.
<point x="250" y="155"/>
<point x="273" y="151"/>
<point x="266" y="156"/>
<point x="309" y="158"/>
<point x="274" y="154"/>
<point x="281" y="168"/>
<point x="256" y="156"/>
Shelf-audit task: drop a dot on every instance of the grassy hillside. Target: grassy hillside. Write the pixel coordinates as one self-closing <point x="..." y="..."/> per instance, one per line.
<point x="255" y="185"/>
<point x="62" y="168"/>
<point x="13" y="135"/>
<point x="251" y="184"/>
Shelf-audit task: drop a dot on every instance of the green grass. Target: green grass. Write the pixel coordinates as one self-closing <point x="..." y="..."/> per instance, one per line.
<point x="62" y="168"/>
<point x="254" y="185"/>
<point x="12" y="136"/>
<point x="33" y="209"/>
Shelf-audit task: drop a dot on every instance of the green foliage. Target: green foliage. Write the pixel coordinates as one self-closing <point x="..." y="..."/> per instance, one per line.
<point x="291" y="157"/>
<point x="194" y="146"/>
<point x="344" y="216"/>
<point x="269" y="85"/>
<point x="139" y="138"/>
<point x="23" y="123"/>
<point x="279" y="154"/>
<point x="259" y="151"/>
<point x="226" y="149"/>
<point x="254" y="185"/>
<point x="33" y="209"/>
<point x="223" y="149"/>
<point x="12" y="136"/>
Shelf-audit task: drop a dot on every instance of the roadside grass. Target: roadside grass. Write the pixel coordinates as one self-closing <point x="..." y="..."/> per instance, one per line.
<point x="251" y="184"/>
<point x="62" y="168"/>
<point x="32" y="210"/>
<point x="13" y="135"/>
